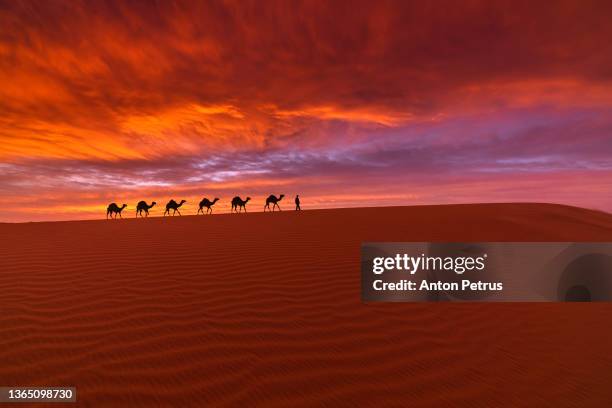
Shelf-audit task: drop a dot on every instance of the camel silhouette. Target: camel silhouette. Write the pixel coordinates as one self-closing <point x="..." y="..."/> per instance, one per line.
<point x="173" y="205"/>
<point x="274" y="200"/>
<point x="142" y="206"/>
<point x="239" y="204"/>
<point x="114" y="209"/>
<point x="208" y="204"/>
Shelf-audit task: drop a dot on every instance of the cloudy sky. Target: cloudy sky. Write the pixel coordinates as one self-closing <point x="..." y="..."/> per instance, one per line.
<point x="347" y="103"/>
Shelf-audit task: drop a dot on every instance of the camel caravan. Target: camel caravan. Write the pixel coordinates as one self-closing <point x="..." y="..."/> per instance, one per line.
<point x="238" y="205"/>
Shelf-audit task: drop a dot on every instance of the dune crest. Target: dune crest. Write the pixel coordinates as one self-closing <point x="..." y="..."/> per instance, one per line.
<point x="260" y="310"/>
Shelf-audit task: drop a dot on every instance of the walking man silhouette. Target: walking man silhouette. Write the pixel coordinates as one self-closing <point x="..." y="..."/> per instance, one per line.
<point x="297" y="203"/>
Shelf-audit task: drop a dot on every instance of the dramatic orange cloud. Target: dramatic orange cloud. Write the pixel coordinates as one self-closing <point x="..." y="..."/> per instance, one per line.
<point x="347" y="103"/>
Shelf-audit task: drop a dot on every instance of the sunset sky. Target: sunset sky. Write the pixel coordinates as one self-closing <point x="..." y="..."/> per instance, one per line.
<point x="347" y="103"/>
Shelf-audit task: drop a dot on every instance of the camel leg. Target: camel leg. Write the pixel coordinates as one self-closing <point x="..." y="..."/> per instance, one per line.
<point x="178" y="211"/>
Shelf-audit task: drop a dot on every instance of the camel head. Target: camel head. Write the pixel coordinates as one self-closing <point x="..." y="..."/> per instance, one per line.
<point x="281" y="197"/>
<point x="247" y="200"/>
<point x="216" y="199"/>
<point x="183" y="202"/>
<point x="123" y="206"/>
<point x="153" y="203"/>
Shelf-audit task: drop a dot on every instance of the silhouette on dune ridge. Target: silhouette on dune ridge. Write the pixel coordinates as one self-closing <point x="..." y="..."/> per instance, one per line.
<point x="143" y="206"/>
<point x="238" y="204"/>
<point x="113" y="208"/>
<point x="208" y="204"/>
<point x="173" y="205"/>
<point x="272" y="199"/>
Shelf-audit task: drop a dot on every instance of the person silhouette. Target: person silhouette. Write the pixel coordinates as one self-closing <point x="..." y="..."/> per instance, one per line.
<point x="297" y="203"/>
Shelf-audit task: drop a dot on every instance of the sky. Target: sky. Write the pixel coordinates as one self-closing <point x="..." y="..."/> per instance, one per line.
<point x="347" y="103"/>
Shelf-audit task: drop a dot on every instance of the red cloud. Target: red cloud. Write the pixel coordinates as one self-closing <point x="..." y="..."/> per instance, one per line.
<point x="119" y="83"/>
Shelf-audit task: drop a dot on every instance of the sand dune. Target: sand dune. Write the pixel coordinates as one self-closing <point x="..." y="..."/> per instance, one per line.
<point x="265" y="310"/>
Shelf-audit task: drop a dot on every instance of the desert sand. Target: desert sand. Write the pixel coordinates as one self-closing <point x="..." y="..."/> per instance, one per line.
<point x="265" y="310"/>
